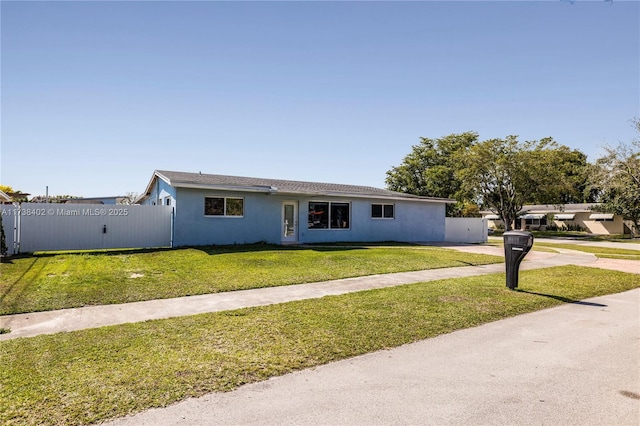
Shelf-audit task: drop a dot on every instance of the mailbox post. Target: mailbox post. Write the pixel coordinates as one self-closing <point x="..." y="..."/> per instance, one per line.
<point x="516" y="246"/>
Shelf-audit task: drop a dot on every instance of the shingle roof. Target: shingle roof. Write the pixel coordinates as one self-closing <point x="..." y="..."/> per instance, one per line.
<point x="240" y="183"/>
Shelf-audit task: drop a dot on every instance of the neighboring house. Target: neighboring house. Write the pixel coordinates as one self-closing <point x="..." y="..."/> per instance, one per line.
<point x="4" y="198"/>
<point x="13" y="197"/>
<point x="78" y="200"/>
<point x="117" y="199"/>
<point x="539" y="217"/>
<point x="216" y="209"/>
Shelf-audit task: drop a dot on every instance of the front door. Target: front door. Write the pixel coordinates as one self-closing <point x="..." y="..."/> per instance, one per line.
<point x="289" y="231"/>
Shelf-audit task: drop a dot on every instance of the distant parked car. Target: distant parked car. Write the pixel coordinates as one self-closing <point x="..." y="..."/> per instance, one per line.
<point x="490" y="231"/>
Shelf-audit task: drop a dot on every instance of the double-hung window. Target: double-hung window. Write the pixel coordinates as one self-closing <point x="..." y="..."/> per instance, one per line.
<point x="329" y="215"/>
<point x="382" y="211"/>
<point x="224" y="206"/>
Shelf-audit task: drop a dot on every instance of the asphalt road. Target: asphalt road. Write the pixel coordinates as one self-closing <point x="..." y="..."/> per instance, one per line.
<point x="577" y="364"/>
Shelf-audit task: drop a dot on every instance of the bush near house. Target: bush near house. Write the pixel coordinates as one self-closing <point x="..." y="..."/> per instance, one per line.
<point x="3" y="241"/>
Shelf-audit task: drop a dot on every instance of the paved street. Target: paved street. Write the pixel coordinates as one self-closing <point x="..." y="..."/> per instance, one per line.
<point x="577" y="364"/>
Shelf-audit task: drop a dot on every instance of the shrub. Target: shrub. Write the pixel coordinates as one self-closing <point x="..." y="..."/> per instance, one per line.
<point x="3" y="241"/>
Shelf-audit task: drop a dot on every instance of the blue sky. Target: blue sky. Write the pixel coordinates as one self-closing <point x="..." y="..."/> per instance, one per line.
<point x="97" y="95"/>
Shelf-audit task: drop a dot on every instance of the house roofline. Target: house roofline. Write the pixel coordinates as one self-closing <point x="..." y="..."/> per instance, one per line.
<point x="147" y="191"/>
<point x="274" y="190"/>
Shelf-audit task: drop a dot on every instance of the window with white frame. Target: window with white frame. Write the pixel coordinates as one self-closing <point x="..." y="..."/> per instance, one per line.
<point x="224" y="206"/>
<point x="329" y="215"/>
<point x="382" y="211"/>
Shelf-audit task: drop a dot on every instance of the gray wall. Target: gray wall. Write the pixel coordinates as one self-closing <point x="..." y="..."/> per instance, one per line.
<point x="44" y="227"/>
<point x="466" y="230"/>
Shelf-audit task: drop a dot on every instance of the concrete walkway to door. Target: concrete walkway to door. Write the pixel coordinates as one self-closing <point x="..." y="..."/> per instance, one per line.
<point x="32" y="324"/>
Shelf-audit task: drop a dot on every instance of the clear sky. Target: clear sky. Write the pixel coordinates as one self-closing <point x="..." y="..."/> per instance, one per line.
<point x="97" y="95"/>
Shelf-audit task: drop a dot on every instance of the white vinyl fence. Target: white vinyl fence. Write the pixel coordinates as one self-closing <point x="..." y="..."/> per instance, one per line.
<point x="465" y="230"/>
<point x="33" y="227"/>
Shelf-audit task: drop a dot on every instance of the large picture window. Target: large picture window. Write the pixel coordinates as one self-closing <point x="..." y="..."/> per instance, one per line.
<point x="224" y="206"/>
<point x="382" y="211"/>
<point x="324" y="215"/>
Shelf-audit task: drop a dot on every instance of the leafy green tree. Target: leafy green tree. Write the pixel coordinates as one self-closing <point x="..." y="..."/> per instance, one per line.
<point x="558" y="174"/>
<point x="506" y="174"/>
<point x="6" y="189"/>
<point x="616" y="178"/>
<point x="575" y="168"/>
<point x="494" y="170"/>
<point x="501" y="174"/>
<point x="430" y="169"/>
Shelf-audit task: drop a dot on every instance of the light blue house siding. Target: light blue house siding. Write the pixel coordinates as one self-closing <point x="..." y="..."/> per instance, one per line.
<point x="159" y="191"/>
<point x="198" y="220"/>
<point x="413" y="222"/>
<point x="262" y="220"/>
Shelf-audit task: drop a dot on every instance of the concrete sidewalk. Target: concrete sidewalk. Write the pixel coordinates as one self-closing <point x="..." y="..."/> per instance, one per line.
<point x="576" y="364"/>
<point x="32" y="324"/>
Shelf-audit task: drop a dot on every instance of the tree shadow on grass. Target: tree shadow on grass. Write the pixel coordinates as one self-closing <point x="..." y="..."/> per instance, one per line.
<point x="563" y="299"/>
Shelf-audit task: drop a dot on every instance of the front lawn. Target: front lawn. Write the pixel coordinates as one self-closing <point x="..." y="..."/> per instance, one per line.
<point x="92" y="375"/>
<point x="56" y="281"/>
<point x="605" y="252"/>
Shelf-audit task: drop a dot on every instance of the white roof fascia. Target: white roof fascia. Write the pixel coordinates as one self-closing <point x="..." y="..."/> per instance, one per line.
<point x="147" y="191"/>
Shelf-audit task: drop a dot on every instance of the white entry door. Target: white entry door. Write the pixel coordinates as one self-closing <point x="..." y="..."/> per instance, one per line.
<point x="289" y="231"/>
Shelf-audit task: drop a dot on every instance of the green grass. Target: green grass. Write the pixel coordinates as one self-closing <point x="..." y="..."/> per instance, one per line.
<point x="585" y="236"/>
<point x="582" y="236"/>
<point x="605" y="252"/>
<point x="91" y="375"/>
<point x="65" y="280"/>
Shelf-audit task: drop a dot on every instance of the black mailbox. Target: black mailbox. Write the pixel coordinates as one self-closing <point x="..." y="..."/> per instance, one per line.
<point x="516" y="246"/>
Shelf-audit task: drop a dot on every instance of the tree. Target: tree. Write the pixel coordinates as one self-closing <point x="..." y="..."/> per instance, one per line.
<point x="430" y="169"/>
<point x="501" y="174"/>
<point x="506" y="174"/>
<point x="129" y="198"/>
<point x="616" y="178"/>
<point x="6" y="189"/>
<point x="559" y="175"/>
